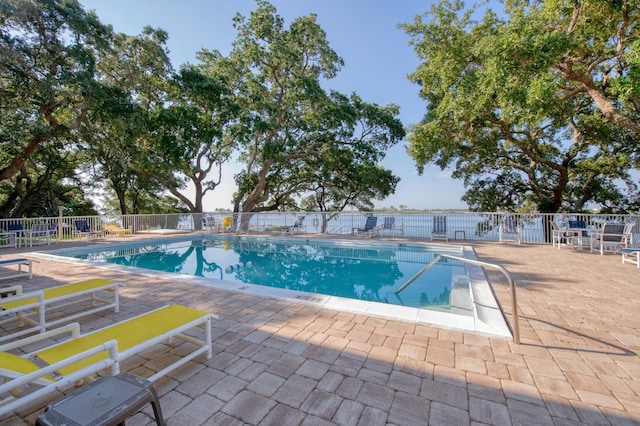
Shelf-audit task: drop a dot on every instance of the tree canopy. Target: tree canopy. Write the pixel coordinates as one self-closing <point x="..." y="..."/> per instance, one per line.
<point x="535" y="107"/>
<point x="87" y="111"/>
<point x="288" y="119"/>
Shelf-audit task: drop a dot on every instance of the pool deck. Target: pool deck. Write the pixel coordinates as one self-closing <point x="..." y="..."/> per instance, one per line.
<point x="281" y="362"/>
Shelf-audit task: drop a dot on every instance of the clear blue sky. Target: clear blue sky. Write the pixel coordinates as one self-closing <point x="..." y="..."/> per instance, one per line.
<point x="364" y="33"/>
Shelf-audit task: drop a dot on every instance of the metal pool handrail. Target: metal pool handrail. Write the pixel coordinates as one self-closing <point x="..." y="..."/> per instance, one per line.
<point x="512" y="285"/>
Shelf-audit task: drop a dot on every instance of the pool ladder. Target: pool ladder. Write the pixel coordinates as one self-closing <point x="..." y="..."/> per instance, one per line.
<point x="512" y="285"/>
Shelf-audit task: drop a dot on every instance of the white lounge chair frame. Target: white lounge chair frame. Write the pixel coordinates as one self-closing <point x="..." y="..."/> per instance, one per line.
<point x="43" y="302"/>
<point x="628" y="255"/>
<point x="116" y="230"/>
<point x="19" y="273"/>
<point x="298" y="226"/>
<point x="18" y="381"/>
<point x="15" y="380"/>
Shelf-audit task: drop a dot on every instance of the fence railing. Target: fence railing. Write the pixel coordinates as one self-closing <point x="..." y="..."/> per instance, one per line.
<point x="460" y="225"/>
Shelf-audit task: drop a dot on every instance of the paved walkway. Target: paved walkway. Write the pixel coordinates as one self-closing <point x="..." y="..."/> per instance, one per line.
<point x="287" y="363"/>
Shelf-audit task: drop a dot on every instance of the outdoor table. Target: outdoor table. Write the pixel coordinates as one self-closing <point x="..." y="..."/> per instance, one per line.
<point x="105" y="402"/>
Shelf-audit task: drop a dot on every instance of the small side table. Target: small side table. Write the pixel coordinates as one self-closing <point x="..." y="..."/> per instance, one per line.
<point x="105" y="402"/>
<point x="459" y="231"/>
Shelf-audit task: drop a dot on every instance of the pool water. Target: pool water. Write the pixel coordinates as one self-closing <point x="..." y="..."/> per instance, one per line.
<point x="368" y="271"/>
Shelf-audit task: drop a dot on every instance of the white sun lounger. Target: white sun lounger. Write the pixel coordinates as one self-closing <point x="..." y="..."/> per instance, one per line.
<point x="19" y="273"/>
<point x="61" y="365"/>
<point x="628" y="255"/>
<point x="33" y="307"/>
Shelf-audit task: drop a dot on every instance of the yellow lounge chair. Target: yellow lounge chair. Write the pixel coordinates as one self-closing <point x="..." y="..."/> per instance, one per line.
<point x="112" y="229"/>
<point x="61" y="365"/>
<point x="226" y="224"/>
<point x="22" y="306"/>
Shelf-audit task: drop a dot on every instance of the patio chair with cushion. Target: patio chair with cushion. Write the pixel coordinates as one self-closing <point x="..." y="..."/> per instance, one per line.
<point x="369" y="229"/>
<point x="577" y="234"/>
<point x="439" y="231"/>
<point x="36" y="374"/>
<point x="34" y="307"/>
<point x="82" y="229"/>
<point x="509" y="227"/>
<point x="611" y="237"/>
<point x="40" y="234"/>
<point x="21" y="235"/>
<point x="389" y="225"/>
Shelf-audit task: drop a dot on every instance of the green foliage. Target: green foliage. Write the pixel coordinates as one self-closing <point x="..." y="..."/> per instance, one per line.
<point x="44" y="182"/>
<point x="534" y="109"/>
<point x="342" y="180"/>
<point x="48" y="51"/>
<point x="187" y="143"/>
<point x="288" y="121"/>
<point x="84" y="110"/>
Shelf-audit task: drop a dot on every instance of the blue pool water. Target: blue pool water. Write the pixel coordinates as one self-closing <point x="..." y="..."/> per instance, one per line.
<point x="356" y="270"/>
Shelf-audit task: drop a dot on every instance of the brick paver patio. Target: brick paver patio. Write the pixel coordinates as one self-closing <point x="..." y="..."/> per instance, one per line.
<point x="288" y="363"/>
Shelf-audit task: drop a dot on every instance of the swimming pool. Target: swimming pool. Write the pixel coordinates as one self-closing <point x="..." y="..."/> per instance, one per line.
<point x="353" y="275"/>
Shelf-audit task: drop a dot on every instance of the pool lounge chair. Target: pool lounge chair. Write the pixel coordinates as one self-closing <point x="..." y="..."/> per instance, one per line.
<point x="20" y="272"/>
<point x="630" y="255"/>
<point x="369" y="229"/>
<point x="33" y="307"/>
<point x="61" y="365"/>
<point x="116" y="230"/>
<point x="298" y="226"/>
<point x="509" y="227"/>
<point x="82" y="229"/>
<point x="439" y="231"/>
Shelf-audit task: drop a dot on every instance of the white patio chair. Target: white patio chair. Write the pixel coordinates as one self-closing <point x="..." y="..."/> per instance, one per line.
<point x="611" y="237"/>
<point x="558" y="235"/>
<point x="298" y="226"/>
<point x="509" y="227"/>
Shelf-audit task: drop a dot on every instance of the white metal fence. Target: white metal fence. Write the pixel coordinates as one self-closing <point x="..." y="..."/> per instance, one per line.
<point x="460" y="225"/>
